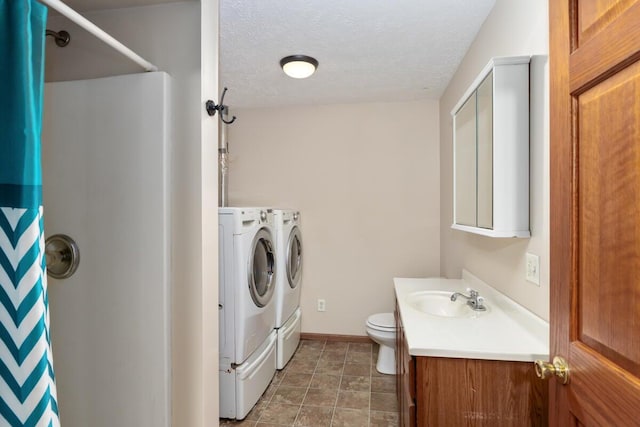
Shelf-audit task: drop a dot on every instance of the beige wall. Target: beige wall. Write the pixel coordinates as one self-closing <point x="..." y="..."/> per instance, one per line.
<point x="513" y="28"/>
<point x="169" y="36"/>
<point x="365" y="178"/>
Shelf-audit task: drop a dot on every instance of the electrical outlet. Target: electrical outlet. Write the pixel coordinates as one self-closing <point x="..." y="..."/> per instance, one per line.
<point x="322" y="305"/>
<point x="533" y="268"/>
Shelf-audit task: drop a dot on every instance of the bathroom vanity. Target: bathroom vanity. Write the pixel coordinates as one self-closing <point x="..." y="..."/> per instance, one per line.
<point x="457" y="367"/>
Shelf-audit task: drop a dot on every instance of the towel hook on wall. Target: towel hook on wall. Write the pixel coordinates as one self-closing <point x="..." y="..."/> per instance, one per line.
<point x="62" y="37"/>
<point x="211" y="108"/>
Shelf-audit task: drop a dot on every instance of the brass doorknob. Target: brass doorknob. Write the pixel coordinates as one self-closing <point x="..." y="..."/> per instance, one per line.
<point x="559" y="368"/>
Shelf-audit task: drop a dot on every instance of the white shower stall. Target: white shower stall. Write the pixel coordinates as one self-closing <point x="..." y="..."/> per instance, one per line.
<point x="106" y="177"/>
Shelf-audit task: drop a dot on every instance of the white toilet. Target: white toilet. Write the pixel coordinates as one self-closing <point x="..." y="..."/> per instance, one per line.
<point x="381" y="328"/>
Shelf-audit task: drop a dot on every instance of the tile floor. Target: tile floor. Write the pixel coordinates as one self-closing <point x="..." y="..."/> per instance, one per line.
<point x="330" y="384"/>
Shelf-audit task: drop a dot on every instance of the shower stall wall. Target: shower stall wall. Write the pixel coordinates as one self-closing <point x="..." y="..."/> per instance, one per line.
<point x="106" y="179"/>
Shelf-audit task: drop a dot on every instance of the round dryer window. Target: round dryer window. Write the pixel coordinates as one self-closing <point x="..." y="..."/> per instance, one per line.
<point x="262" y="268"/>
<point x="294" y="258"/>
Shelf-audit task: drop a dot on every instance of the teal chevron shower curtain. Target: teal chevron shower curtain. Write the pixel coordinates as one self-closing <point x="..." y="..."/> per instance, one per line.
<point x="27" y="384"/>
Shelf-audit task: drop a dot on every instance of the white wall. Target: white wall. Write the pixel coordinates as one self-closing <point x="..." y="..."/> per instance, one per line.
<point x="207" y="297"/>
<point x="170" y="36"/>
<point x="365" y="178"/>
<point x="513" y="28"/>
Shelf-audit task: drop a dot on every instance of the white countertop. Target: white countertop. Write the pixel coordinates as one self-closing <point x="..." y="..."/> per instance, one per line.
<point x="507" y="331"/>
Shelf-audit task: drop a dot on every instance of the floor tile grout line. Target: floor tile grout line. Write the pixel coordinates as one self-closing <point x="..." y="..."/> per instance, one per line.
<point x="370" y="385"/>
<point x="278" y="386"/>
<point x="323" y="349"/>
<point x="335" y="403"/>
<point x="309" y="385"/>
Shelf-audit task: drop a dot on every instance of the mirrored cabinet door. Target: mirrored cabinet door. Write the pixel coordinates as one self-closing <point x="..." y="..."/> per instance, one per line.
<point x="491" y="151"/>
<point x="465" y="163"/>
<point x="485" y="153"/>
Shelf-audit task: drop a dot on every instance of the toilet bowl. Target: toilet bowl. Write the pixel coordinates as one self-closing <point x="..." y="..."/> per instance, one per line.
<point x="381" y="328"/>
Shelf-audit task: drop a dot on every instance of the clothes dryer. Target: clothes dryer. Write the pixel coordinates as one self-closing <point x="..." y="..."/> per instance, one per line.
<point x="288" y="283"/>
<point x="247" y="280"/>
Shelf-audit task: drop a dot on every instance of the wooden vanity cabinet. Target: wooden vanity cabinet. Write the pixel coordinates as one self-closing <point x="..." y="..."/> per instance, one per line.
<point x="405" y="377"/>
<point x="437" y="391"/>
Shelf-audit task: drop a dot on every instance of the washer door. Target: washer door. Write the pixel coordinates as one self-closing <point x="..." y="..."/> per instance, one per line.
<point x="294" y="258"/>
<point x="262" y="266"/>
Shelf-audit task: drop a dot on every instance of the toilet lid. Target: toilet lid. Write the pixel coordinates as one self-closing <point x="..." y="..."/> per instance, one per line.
<point x="382" y="320"/>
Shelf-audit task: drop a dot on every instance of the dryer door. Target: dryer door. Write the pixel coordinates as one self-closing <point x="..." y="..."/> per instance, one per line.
<point x="294" y="258"/>
<point x="262" y="267"/>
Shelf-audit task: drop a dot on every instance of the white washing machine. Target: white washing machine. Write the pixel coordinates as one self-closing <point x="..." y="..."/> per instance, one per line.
<point x="247" y="280"/>
<point x="288" y="283"/>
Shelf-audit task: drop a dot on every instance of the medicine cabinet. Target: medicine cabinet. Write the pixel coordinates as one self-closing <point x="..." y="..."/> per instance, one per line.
<point x="491" y="151"/>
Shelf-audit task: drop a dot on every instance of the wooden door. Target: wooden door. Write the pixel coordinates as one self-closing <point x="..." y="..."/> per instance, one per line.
<point x="595" y="210"/>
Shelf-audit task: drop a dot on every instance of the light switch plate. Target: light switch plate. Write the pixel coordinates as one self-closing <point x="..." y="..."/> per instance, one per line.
<point x="533" y="268"/>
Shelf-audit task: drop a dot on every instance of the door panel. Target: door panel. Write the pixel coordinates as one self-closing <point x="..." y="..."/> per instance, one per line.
<point x="609" y="218"/>
<point x="600" y="392"/>
<point x="594" y="15"/>
<point x="607" y="52"/>
<point x="595" y="210"/>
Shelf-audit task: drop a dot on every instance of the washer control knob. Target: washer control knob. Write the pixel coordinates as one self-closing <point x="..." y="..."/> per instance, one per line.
<point x="263" y="216"/>
<point x="296" y="215"/>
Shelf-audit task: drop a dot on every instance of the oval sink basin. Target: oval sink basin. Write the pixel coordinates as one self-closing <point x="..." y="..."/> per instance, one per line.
<point x="438" y="303"/>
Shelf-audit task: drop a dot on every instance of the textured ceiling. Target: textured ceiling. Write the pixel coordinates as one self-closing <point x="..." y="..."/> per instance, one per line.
<point x="368" y="50"/>
<point x="374" y="50"/>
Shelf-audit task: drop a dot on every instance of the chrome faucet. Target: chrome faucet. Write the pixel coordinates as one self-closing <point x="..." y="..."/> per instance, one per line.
<point x="475" y="301"/>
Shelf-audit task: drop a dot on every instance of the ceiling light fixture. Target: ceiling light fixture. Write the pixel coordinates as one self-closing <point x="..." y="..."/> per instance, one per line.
<point x="299" y="66"/>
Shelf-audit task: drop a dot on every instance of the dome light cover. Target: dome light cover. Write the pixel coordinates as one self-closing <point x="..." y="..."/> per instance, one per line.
<point x="299" y="66"/>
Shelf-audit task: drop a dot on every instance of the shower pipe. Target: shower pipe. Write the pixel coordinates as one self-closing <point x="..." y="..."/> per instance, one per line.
<point x="223" y="147"/>
<point x="99" y="33"/>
